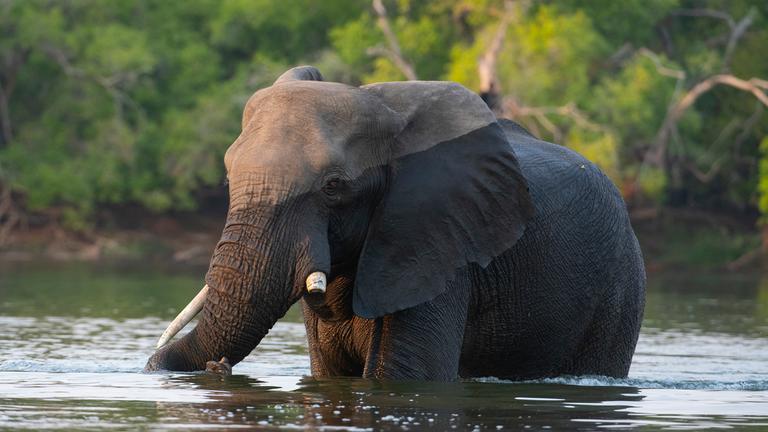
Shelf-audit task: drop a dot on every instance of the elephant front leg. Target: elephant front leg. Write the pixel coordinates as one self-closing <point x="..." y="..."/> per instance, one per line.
<point x="420" y="343"/>
<point x="329" y="343"/>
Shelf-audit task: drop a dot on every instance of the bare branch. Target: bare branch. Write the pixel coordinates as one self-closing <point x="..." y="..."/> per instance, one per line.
<point x="737" y="32"/>
<point x="656" y="154"/>
<point x="621" y="55"/>
<point x="110" y="84"/>
<point x="737" y="28"/>
<point x="394" y="53"/>
<point x="666" y="39"/>
<point x="745" y="127"/>
<point x="570" y="110"/>
<point x="556" y="132"/>
<point x="660" y="68"/>
<point x="705" y="177"/>
<point x="748" y="124"/>
<point x="710" y="13"/>
<point x="755" y="86"/>
<point x="486" y="64"/>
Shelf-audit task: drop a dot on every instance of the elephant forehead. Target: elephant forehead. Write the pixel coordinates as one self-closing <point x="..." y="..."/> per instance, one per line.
<point x="293" y="104"/>
<point x="289" y="153"/>
<point x="305" y="128"/>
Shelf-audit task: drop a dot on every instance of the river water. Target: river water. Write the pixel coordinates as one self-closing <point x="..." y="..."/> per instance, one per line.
<point x="74" y="338"/>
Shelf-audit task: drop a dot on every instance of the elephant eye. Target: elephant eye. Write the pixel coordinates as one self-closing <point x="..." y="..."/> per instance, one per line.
<point x="331" y="187"/>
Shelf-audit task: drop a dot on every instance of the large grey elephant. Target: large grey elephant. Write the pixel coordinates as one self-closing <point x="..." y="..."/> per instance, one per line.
<point x="425" y="238"/>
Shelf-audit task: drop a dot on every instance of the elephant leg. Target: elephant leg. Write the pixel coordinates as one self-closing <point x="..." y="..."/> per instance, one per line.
<point x="328" y="354"/>
<point x="611" y="339"/>
<point x="420" y="343"/>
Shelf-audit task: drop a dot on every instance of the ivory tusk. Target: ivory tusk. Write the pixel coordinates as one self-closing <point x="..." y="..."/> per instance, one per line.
<point x="185" y="316"/>
<point x="316" y="282"/>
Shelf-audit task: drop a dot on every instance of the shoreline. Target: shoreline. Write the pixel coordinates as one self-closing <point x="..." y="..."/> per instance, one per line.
<point x="669" y="239"/>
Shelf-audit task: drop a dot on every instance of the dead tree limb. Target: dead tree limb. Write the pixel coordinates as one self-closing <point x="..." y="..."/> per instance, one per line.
<point x="738" y="28"/>
<point x="393" y="51"/>
<point x="486" y="64"/>
<point x="737" y="31"/>
<point x="727" y="133"/>
<point x="514" y="110"/>
<point x="110" y="84"/>
<point x="660" y="68"/>
<point x="710" y="13"/>
<point x="755" y="86"/>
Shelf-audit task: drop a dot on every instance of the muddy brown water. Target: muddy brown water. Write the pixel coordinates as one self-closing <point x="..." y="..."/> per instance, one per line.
<point x="74" y="338"/>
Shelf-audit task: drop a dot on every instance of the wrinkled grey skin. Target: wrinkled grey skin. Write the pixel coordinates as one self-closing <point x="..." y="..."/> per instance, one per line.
<point x="455" y="245"/>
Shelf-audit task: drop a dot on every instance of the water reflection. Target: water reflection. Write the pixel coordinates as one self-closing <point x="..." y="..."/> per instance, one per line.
<point x="730" y="303"/>
<point x="342" y="403"/>
<point x="74" y="338"/>
<point x="363" y="404"/>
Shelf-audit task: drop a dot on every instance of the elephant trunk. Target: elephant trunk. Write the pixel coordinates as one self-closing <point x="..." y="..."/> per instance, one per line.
<point x="225" y="329"/>
<point x="250" y="286"/>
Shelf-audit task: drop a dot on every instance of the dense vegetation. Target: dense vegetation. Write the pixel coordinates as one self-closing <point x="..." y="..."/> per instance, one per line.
<point x="134" y="102"/>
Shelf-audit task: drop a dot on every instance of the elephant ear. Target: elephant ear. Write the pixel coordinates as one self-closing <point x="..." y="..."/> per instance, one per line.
<point x="300" y="73"/>
<point x="455" y="196"/>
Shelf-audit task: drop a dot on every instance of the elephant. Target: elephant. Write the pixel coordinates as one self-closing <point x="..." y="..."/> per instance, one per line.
<point x="426" y="239"/>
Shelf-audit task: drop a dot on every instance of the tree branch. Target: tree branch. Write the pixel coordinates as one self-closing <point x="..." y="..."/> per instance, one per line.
<point x="755" y="86"/>
<point x="737" y="32"/>
<point x="110" y="84"/>
<point x="737" y="28"/>
<point x="710" y="13"/>
<point x="570" y="110"/>
<point x="660" y="68"/>
<point x="393" y="52"/>
<point x="486" y="64"/>
<point x="705" y="177"/>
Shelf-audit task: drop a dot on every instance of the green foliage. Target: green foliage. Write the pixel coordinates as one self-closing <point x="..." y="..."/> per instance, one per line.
<point x="352" y="41"/>
<point x="425" y="39"/>
<point x="136" y="102"/>
<point x="634" y="101"/>
<point x="549" y="57"/>
<point x="599" y="147"/>
<point x="623" y="21"/>
<point x="652" y="182"/>
<point x="108" y="109"/>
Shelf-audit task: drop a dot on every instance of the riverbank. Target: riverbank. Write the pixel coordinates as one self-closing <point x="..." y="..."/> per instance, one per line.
<point x="670" y="239"/>
<point x="186" y="239"/>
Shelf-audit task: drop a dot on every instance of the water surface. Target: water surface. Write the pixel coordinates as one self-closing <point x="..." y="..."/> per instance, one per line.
<point x="73" y="340"/>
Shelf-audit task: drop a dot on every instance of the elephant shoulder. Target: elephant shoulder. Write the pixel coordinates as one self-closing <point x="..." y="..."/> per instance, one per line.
<point x="559" y="178"/>
<point x="512" y="128"/>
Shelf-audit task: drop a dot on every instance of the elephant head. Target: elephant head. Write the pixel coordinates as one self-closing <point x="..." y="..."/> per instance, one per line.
<point x="392" y="186"/>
